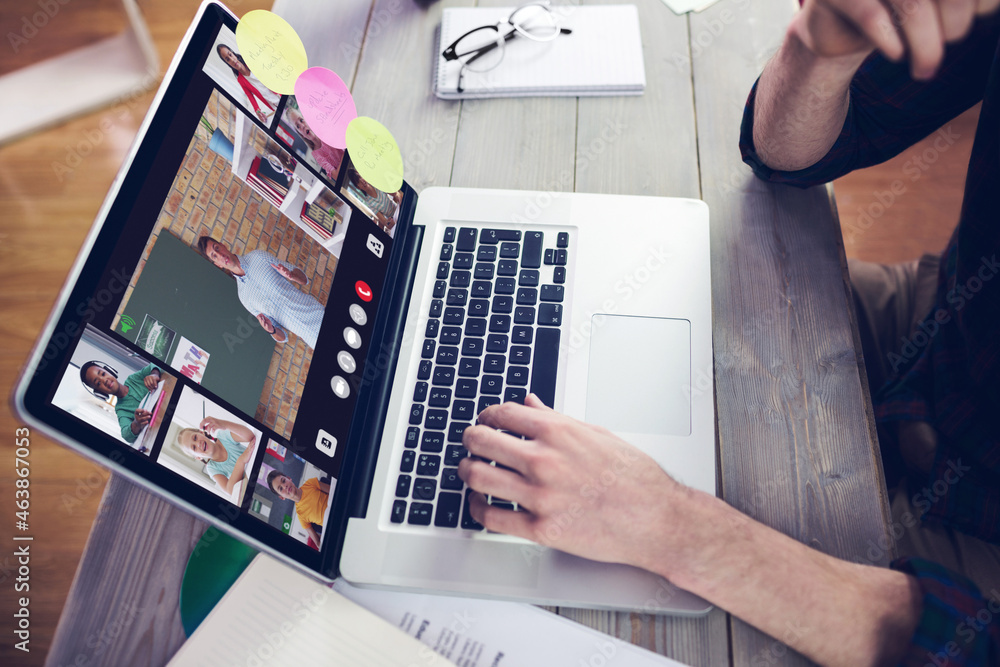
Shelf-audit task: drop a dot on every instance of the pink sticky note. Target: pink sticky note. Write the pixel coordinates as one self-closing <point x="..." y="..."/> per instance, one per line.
<point x="326" y="105"/>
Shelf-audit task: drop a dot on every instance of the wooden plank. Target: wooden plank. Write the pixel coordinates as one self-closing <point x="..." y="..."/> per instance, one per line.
<point x="797" y="446"/>
<point x="123" y="608"/>
<point x="646" y="144"/>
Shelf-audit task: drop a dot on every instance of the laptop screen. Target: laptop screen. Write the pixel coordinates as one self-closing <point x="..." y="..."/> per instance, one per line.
<point x="215" y="340"/>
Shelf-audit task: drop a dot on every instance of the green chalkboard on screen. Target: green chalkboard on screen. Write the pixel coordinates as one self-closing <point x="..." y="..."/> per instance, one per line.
<point x="182" y="291"/>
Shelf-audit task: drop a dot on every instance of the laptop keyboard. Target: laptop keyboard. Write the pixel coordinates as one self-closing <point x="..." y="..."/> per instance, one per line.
<point x="492" y="335"/>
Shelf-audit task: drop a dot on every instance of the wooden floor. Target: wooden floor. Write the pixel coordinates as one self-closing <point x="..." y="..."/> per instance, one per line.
<point x="43" y="220"/>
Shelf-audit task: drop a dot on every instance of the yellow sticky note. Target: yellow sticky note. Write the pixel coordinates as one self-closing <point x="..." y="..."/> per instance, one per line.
<point x="375" y="153"/>
<point x="271" y="49"/>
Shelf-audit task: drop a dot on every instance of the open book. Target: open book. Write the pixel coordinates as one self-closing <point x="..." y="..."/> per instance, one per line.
<point x="602" y="55"/>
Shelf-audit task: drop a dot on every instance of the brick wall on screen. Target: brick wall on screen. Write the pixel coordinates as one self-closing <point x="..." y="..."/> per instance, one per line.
<point x="208" y="199"/>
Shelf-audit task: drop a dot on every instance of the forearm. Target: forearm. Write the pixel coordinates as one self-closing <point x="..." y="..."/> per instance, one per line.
<point x="833" y="611"/>
<point x="801" y="103"/>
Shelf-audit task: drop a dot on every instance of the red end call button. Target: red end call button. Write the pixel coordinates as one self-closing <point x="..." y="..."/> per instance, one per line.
<point x="363" y="290"/>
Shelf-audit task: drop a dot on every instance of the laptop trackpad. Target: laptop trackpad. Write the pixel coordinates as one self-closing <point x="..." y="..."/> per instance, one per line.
<point x="640" y="375"/>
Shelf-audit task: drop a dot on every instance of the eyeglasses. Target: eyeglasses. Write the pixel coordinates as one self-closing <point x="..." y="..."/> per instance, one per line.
<point x="481" y="49"/>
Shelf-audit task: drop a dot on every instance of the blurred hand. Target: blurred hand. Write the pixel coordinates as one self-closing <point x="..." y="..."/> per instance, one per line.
<point x="140" y="419"/>
<point x="209" y="426"/>
<point x="265" y="323"/>
<point x="916" y="29"/>
<point x="151" y="381"/>
<point x="585" y="491"/>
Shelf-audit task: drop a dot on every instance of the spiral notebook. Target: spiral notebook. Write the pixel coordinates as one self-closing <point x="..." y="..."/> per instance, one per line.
<point x="602" y="56"/>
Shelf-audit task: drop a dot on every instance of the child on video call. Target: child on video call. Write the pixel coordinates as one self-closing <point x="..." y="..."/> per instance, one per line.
<point x="130" y="393"/>
<point x="224" y="446"/>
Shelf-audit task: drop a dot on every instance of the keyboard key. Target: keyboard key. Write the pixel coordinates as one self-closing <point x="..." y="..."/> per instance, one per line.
<point x="450" y="480"/>
<point x="428" y="464"/>
<point x="454" y="315"/>
<point x="451" y="335"/>
<point x="463" y="260"/>
<point x="495" y="363"/>
<point x="550" y="314"/>
<point x="437" y="307"/>
<point x="503" y="304"/>
<point x="524" y="315"/>
<point x="431" y="330"/>
<point x="527" y="296"/>
<point x="444" y="268"/>
<point x="520" y="354"/>
<point x="449" y="234"/>
<point x="403" y="486"/>
<point x="502" y="504"/>
<point x="446" y="250"/>
<point x="499" y="324"/>
<point x="447" y="355"/>
<point x="424" y="369"/>
<point x="559" y="274"/>
<point x="420" y="392"/>
<point x="494" y="236"/>
<point x="463" y="410"/>
<point x="491" y="385"/>
<point x="472" y="347"/>
<point x="487" y="401"/>
<point x="466" y="388"/>
<point x="510" y="250"/>
<point x="551" y="293"/>
<point x="550" y="256"/>
<point x="435" y="419"/>
<point x="457" y="297"/>
<point x="433" y="441"/>
<point x="406" y="464"/>
<point x="424" y="489"/>
<point x="481" y="289"/>
<point x="468" y="367"/>
<point x="455" y="431"/>
<point x="543" y="371"/>
<point x="486" y="254"/>
<point x="521" y="335"/>
<point x="468" y="523"/>
<point x="466" y="240"/>
<point x="439" y="289"/>
<point x="475" y="326"/>
<point x="562" y="256"/>
<point x="428" y="350"/>
<point x="517" y="376"/>
<point x="454" y="453"/>
<point x="460" y="279"/>
<point x="479" y="308"/>
<point x="449" y="509"/>
<point x="515" y="394"/>
<point x="416" y="414"/>
<point x="398" y="511"/>
<point x="412" y="436"/>
<point x="505" y="286"/>
<point x="496" y="343"/>
<point x="420" y="514"/>
<point x="507" y="267"/>
<point x="531" y="257"/>
<point x="562" y="240"/>
<point x="483" y="271"/>
<point x="528" y="278"/>
<point x="440" y="397"/>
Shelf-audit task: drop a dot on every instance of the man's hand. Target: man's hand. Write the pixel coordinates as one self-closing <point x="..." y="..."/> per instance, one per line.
<point x="585" y="491"/>
<point x="151" y="381"/>
<point x="140" y="419"/>
<point x="917" y="29"/>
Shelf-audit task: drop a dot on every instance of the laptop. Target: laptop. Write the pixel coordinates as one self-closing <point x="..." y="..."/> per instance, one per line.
<point x="258" y="335"/>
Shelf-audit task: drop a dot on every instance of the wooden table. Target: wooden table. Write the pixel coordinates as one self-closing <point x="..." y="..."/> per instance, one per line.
<point x="796" y="438"/>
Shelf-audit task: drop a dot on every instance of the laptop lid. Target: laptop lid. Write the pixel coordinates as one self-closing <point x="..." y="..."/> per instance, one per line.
<point x="221" y="334"/>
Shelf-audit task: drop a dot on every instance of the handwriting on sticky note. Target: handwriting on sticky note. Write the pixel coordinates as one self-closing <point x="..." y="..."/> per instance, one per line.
<point x="375" y="153"/>
<point x="326" y="104"/>
<point x="272" y="50"/>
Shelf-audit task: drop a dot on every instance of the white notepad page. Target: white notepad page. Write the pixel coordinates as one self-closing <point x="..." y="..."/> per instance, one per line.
<point x="602" y="56"/>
